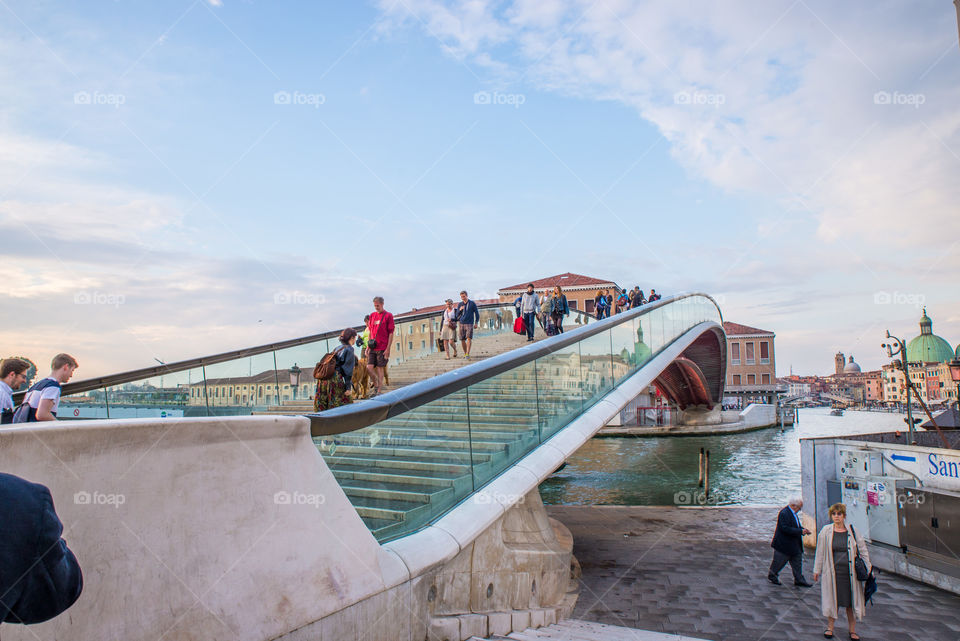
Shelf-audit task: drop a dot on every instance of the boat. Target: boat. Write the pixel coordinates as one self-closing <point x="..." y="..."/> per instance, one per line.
<point x="836" y="412"/>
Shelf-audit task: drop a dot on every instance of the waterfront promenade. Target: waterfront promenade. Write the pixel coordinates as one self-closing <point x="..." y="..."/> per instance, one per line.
<point x="702" y="572"/>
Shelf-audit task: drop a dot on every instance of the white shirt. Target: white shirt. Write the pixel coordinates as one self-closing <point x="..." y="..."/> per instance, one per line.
<point x="52" y="392"/>
<point x="6" y="397"/>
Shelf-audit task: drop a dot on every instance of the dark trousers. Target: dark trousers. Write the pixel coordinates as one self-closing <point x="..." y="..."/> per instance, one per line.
<point x="558" y="321"/>
<point x="796" y="564"/>
<point x="529" y="320"/>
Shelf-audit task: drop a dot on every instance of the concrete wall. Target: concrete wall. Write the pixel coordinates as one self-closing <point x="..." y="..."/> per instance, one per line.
<point x="759" y="414"/>
<point x="181" y="532"/>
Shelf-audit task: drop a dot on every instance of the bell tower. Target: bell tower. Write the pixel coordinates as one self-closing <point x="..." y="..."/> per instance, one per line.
<point x="839" y="361"/>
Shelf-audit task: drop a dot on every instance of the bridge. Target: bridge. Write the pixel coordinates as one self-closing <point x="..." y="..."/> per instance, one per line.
<point x="415" y="513"/>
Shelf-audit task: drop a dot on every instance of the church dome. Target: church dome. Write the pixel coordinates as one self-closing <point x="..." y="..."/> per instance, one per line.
<point x="928" y="347"/>
<point x="851" y="367"/>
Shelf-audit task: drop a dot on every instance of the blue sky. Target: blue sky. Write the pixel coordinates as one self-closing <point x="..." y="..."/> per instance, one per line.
<point x="798" y="160"/>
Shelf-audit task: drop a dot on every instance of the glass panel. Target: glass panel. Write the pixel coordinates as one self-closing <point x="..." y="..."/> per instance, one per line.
<point x="83" y="406"/>
<point x="404" y="472"/>
<point x="624" y="339"/>
<point x="595" y="359"/>
<point x="559" y="393"/>
<point x="302" y="357"/>
<point x="503" y="421"/>
<point x="248" y="385"/>
<point x="651" y="333"/>
<point x="173" y="395"/>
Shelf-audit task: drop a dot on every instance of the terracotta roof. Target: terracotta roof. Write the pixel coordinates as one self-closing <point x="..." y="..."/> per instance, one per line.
<point x="564" y="280"/>
<point x="736" y="329"/>
<point x="439" y="308"/>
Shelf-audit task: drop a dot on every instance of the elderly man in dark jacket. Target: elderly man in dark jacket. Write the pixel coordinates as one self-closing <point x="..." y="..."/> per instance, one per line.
<point x="788" y="544"/>
<point x="39" y="575"/>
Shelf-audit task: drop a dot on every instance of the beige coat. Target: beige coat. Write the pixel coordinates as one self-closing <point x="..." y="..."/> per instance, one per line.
<point x="823" y="565"/>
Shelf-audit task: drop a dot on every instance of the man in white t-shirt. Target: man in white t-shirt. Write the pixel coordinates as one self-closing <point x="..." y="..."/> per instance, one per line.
<point x="43" y="397"/>
<point x="13" y="374"/>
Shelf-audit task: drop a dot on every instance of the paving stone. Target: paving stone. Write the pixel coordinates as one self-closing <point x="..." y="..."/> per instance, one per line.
<point x="703" y="573"/>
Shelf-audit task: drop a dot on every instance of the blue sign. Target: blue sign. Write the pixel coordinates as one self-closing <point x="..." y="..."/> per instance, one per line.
<point x="901" y="457"/>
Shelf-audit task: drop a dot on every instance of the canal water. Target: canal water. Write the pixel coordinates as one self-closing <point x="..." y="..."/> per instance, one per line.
<point x="753" y="468"/>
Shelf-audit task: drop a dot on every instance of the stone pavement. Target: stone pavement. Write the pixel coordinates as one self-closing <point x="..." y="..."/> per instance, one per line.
<point x="703" y="572"/>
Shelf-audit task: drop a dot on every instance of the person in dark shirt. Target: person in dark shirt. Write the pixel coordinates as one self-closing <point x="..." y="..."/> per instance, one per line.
<point x="39" y="575"/>
<point x="468" y="316"/>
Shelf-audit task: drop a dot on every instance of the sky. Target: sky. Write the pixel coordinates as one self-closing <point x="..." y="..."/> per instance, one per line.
<point x="187" y="177"/>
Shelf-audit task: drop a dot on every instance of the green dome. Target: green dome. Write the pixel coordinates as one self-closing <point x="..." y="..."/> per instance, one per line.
<point x="928" y="347"/>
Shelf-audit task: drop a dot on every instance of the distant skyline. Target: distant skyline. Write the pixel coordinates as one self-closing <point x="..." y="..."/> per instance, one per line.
<point x="188" y="177"/>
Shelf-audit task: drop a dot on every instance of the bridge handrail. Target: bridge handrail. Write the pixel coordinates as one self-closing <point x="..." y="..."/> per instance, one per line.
<point x="355" y="416"/>
<point x="89" y="384"/>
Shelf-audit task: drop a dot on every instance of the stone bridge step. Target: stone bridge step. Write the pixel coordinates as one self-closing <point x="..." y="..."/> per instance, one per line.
<point x="579" y="630"/>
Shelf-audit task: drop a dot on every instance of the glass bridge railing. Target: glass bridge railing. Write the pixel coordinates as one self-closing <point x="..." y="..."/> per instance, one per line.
<point x="421" y="450"/>
<point x="252" y="380"/>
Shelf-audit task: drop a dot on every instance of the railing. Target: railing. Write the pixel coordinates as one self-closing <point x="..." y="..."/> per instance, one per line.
<point x="247" y="380"/>
<point x="408" y="456"/>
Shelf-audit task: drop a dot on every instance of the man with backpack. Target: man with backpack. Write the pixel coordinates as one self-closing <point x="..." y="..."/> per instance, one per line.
<point x="13" y="374"/>
<point x="42" y="400"/>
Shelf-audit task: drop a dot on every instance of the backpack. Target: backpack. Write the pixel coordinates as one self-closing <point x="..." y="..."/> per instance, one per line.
<point x="26" y="414"/>
<point x="327" y="367"/>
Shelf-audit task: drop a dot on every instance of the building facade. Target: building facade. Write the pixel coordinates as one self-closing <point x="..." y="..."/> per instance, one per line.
<point x="751" y="363"/>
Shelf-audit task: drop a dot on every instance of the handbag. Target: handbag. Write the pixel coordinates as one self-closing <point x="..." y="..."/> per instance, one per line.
<point x="440" y="344"/>
<point x="859" y="566"/>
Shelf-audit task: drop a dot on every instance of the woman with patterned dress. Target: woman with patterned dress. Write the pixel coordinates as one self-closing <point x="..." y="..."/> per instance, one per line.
<point x="336" y="390"/>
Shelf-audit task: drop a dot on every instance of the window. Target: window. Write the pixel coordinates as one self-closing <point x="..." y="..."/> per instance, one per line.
<point x="736" y="379"/>
<point x="423" y="344"/>
<point x="410" y="328"/>
<point x="398" y="347"/>
<point x="764" y="352"/>
<point x="410" y="345"/>
<point x="751" y="379"/>
<point x="572" y="303"/>
<point x="735" y="353"/>
<point x="750" y="355"/>
<point x="588" y="306"/>
<point x="765" y="379"/>
<point x="423" y="328"/>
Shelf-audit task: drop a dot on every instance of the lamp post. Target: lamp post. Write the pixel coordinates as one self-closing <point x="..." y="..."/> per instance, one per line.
<point x="295" y="379"/>
<point x="957" y="3"/>
<point x="955" y="368"/>
<point x="902" y="351"/>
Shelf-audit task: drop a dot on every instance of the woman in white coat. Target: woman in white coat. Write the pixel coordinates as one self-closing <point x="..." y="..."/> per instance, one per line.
<point x="837" y="547"/>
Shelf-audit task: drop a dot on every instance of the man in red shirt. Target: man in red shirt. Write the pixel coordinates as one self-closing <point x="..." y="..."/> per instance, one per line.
<point x="381" y="335"/>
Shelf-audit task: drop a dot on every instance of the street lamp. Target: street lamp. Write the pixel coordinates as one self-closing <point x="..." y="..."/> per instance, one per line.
<point x="295" y="379"/>
<point x="955" y="367"/>
<point x="902" y="351"/>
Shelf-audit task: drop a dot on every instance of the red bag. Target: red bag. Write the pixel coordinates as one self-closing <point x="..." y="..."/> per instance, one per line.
<point x="519" y="327"/>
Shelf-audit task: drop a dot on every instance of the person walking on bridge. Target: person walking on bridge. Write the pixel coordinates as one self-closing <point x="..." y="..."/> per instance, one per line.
<point x="42" y="400"/>
<point x="787" y="544"/>
<point x="546" y="305"/>
<point x="469" y="317"/>
<point x="13" y="374"/>
<point x="837" y="549"/>
<point x="560" y="309"/>
<point x="378" y="347"/>
<point x="529" y="306"/>
<point x="448" y="330"/>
